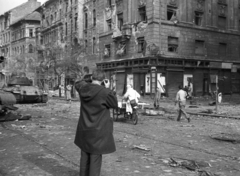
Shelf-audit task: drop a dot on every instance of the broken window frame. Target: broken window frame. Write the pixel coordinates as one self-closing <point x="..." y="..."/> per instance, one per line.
<point x="171" y="13"/>
<point x="172" y="46"/>
<point x="109" y="24"/>
<point x="122" y="45"/>
<point x="198" y="18"/>
<point x="142" y="13"/>
<point x="140" y="44"/>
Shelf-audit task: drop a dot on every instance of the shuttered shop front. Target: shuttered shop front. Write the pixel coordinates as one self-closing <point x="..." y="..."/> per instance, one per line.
<point x="120" y="79"/>
<point x="174" y="79"/>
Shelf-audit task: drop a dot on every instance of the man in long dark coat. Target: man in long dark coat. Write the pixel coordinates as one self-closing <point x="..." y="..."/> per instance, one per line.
<point x="94" y="134"/>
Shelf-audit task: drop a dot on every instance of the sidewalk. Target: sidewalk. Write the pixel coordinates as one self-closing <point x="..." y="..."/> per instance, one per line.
<point x="23" y="155"/>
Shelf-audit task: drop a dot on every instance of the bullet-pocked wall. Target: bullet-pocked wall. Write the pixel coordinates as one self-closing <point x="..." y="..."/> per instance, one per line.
<point x="194" y="38"/>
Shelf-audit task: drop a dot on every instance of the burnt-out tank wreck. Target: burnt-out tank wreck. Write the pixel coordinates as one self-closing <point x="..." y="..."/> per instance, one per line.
<point x="20" y="90"/>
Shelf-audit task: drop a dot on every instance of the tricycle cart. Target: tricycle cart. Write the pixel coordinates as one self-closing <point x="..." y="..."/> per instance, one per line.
<point x="121" y="110"/>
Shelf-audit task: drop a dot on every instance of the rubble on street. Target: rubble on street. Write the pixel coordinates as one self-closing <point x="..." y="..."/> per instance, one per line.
<point x="157" y="145"/>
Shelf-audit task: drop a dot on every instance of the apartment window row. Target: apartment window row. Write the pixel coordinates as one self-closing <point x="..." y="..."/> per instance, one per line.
<point x="5" y="38"/>
<point x="50" y="37"/>
<point x="142" y="16"/>
<point x="121" y="48"/>
<point x="51" y="19"/>
<point x="21" y="49"/>
<point x="198" y="18"/>
<point x="200" y="47"/>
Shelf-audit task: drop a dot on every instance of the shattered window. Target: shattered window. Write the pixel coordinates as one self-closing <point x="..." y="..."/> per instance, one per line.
<point x="173" y="44"/>
<point x="171" y="13"/>
<point x="121" y="50"/>
<point x="142" y="14"/>
<point x="198" y="18"/>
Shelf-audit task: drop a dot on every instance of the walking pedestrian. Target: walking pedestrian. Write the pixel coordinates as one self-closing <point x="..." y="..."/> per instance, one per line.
<point x="157" y="98"/>
<point x="94" y="135"/>
<point x="181" y="100"/>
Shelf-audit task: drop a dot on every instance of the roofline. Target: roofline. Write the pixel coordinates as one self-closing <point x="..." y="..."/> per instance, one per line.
<point x="44" y="4"/>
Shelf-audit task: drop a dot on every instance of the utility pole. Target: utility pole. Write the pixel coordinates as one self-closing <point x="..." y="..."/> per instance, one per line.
<point x="216" y="94"/>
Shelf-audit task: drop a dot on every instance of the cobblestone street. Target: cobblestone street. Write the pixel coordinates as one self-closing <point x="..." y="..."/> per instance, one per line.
<point x="44" y="144"/>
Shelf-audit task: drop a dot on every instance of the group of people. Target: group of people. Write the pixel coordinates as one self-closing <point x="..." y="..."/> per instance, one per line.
<point x="94" y="134"/>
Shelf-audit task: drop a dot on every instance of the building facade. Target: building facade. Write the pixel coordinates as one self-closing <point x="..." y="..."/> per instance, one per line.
<point x="59" y="40"/>
<point x="9" y="18"/>
<point x="167" y="43"/>
<point x="23" y="46"/>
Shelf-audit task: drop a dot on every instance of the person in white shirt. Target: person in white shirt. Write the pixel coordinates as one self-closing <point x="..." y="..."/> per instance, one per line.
<point x="181" y="100"/>
<point x="131" y="94"/>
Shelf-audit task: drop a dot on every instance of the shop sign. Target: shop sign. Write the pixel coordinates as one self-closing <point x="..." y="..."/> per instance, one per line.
<point x="227" y="65"/>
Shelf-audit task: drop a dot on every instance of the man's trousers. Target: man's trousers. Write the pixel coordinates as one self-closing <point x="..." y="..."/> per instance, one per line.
<point x="90" y="164"/>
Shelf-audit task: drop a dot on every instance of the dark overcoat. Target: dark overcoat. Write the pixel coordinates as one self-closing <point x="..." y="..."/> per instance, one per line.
<point x="95" y="126"/>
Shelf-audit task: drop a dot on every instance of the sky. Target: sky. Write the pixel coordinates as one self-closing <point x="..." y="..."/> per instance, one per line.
<point x="6" y="5"/>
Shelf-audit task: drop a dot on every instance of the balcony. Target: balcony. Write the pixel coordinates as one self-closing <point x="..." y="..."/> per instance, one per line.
<point x="123" y="35"/>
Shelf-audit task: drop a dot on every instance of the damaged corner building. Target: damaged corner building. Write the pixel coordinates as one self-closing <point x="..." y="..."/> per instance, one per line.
<point x="167" y="43"/>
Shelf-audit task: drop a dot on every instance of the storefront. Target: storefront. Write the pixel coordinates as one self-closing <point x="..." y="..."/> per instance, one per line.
<point x="145" y="74"/>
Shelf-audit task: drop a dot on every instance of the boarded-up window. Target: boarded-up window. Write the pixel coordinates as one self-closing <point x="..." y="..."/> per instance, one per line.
<point x="199" y="47"/>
